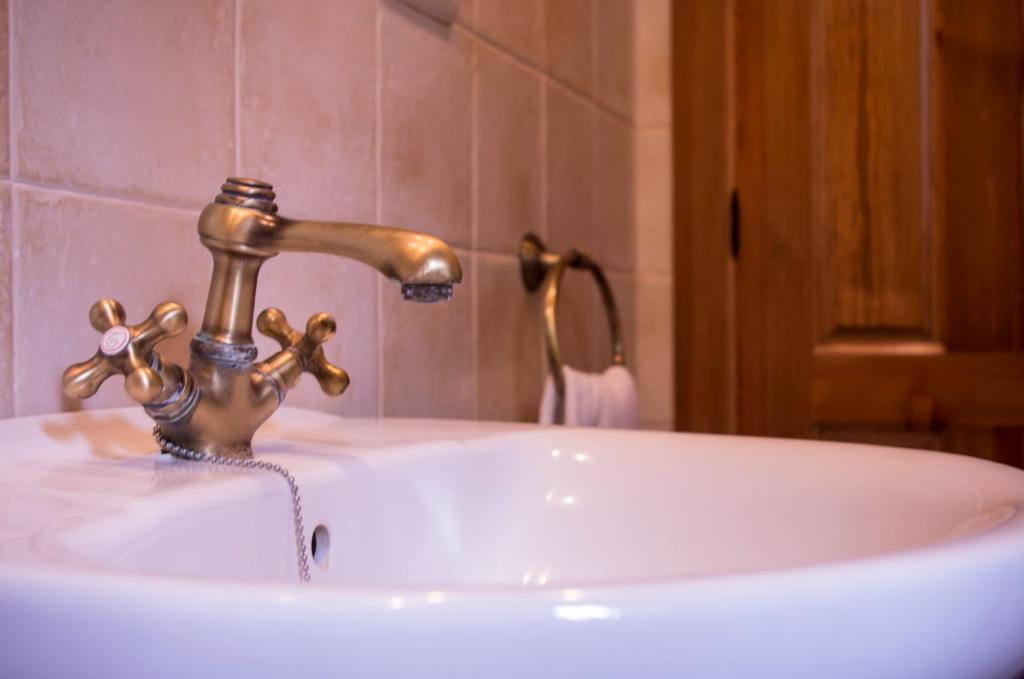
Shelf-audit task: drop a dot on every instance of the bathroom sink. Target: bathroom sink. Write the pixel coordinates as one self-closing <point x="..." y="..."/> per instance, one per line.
<point x="460" y="549"/>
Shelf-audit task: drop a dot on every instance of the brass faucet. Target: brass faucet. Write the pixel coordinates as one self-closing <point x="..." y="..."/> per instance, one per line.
<point x="218" y="403"/>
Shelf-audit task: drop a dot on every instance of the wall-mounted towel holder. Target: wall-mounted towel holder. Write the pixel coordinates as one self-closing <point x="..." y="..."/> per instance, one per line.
<point x="539" y="266"/>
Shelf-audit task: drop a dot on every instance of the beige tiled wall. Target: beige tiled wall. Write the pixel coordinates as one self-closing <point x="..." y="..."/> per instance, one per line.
<point x="119" y="120"/>
<point x="653" y="209"/>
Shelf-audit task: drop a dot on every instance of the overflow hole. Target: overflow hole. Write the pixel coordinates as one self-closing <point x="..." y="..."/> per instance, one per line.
<point x="320" y="546"/>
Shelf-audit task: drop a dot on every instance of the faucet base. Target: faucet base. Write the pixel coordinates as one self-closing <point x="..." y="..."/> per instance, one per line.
<point x="221" y="418"/>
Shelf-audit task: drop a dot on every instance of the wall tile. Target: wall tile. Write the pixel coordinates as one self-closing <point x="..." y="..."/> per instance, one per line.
<point x="516" y="26"/>
<point x="613" y="55"/>
<point x="426" y="350"/>
<point x="653" y="62"/>
<point x="613" y="238"/>
<point x="4" y="89"/>
<point x="425" y="125"/>
<point x="6" y="287"/>
<point x="570" y="171"/>
<point x="569" y="37"/>
<point x="509" y="153"/>
<point x="133" y="99"/>
<point x="653" y="195"/>
<point x="590" y="182"/>
<point x="307" y="115"/>
<point x="655" y="359"/>
<point x="71" y="251"/>
<point x="509" y="342"/>
<point x="304" y="284"/>
<point x="653" y="211"/>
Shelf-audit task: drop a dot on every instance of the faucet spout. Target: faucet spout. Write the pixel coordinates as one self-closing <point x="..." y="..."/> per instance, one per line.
<point x="409" y="257"/>
<point x="242" y="229"/>
<point x="244" y="218"/>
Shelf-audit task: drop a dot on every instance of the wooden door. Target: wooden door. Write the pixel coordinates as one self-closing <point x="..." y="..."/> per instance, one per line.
<point x="876" y="290"/>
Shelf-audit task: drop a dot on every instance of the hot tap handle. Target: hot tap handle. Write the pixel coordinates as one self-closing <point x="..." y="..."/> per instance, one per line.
<point x="319" y="328"/>
<point x="126" y="350"/>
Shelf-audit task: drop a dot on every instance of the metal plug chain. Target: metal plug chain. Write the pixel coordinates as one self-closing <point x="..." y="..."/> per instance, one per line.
<point x="196" y="456"/>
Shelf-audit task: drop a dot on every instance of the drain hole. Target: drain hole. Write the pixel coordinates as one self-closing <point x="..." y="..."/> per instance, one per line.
<point x="320" y="546"/>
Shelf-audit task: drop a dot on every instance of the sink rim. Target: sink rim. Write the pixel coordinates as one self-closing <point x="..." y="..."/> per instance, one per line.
<point x="1005" y="536"/>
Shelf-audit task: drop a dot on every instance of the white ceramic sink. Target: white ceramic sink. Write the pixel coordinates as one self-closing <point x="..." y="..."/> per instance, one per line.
<point x="457" y="549"/>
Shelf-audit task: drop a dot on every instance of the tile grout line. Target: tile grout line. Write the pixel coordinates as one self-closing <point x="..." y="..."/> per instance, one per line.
<point x="634" y="170"/>
<point x="474" y="238"/>
<point x="15" y="214"/>
<point x="378" y="209"/>
<point x="633" y="177"/>
<point x="238" y="87"/>
<point x="634" y="62"/>
<point x="634" y="210"/>
<point x="545" y="142"/>
<point x="12" y="142"/>
<point x="474" y="147"/>
<point x="595" y="12"/>
<point x="15" y="280"/>
<point x="105" y="198"/>
<point x="537" y="70"/>
<point x="544" y="193"/>
<point x="474" y="338"/>
<point x="545" y="227"/>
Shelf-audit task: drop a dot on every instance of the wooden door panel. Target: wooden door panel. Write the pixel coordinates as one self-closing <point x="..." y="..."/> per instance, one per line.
<point x="879" y="290"/>
<point x="880" y="435"/>
<point x="977" y="193"/>
<point x="880" y="286"/>
<point x="873" y="260"/>
<point x="999" y="444"/>
<point x="920" y="391"/>
<point x="773" y="169"/>
<point x="702" y="182"/>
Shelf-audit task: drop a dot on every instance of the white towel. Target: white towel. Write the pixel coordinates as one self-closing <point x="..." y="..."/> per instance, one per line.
<point x="605" y="400"/>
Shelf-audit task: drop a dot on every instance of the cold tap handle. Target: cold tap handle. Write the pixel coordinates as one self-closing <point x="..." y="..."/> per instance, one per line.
<point x="306" y="349"/>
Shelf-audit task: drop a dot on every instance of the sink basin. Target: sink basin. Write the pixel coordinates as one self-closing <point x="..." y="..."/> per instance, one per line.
<point x="460" y="549"/>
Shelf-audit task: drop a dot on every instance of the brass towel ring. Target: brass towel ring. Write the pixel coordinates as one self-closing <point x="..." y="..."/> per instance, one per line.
<point x="540" y="266"/>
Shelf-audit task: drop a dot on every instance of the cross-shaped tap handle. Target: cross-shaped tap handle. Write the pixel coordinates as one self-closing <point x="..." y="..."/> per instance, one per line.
<point x="319" y="328"/>
<point x="126" y="350"/>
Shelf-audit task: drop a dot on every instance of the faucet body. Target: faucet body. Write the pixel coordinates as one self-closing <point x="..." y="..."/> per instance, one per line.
<point x="217" y="404"/>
